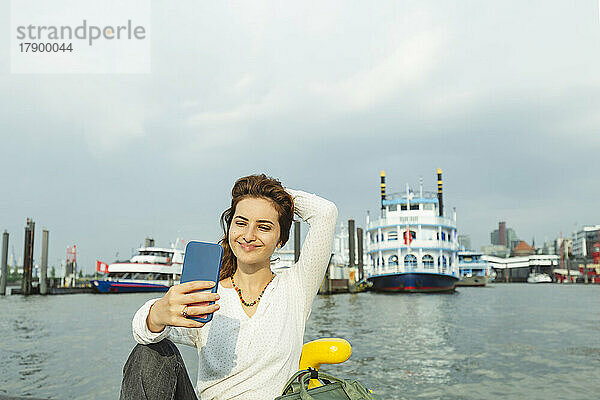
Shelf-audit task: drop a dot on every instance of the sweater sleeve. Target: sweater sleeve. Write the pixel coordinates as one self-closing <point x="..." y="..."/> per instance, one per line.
<point x="176" y="334"/>
<point x="321" y="216"/>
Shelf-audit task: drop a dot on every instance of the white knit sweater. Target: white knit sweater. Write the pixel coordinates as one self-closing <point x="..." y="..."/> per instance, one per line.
<point x="251" y="358"/>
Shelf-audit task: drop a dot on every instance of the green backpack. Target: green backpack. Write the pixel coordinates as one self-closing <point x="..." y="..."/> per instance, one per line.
<point x="333" y="388"/>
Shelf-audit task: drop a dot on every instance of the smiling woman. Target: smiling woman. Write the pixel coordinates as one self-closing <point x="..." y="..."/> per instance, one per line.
<point x="253" y="343"/>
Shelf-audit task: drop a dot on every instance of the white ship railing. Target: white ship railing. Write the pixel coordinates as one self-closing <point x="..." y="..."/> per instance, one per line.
<point x="426" y="245"/>
<point x="412" y="220"/>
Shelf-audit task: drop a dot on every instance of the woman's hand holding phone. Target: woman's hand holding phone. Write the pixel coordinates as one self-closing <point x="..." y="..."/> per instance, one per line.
<point x="168" y="309"/>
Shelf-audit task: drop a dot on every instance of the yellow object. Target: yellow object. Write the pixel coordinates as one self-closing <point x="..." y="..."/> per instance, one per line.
<point x="324" y="351"/>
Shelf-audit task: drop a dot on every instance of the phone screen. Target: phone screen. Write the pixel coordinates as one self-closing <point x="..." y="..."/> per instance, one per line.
<point x="202" y="262"/>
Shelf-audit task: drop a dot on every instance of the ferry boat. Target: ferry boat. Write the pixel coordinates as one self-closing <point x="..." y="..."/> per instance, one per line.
<point x="472" y="269"/>
<point x="413" y="246"/>
<point x="153" y="269"/>
<point x="538" y="277"/>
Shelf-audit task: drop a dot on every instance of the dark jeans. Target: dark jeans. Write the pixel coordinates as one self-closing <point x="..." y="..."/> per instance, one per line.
<point x="156" y="372"/>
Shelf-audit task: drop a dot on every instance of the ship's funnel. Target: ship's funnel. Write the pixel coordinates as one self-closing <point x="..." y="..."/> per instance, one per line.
<point x="382" y="189"/>
<point x="440" y="195"/>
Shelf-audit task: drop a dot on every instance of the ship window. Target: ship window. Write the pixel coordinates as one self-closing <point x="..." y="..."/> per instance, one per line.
<point x="403" y="207"/>
<point x="410" y="261"/>
<point x="442" y="261"/>
<point x="438" y="236"/>
<point x="427" y="206"/>
<point x="393" y="207"/>
<point x="414" y="206"/>
<point x="443" y="235"/>
<point x="392" y="235"/>
<point x="427" y="261"/>
<point x="393" y="260"/>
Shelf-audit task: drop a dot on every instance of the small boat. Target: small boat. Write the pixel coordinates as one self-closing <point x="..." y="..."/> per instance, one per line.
<point x="153" y="269"/>
<point x="472" y="269"/>
<point x="535" y="277"/>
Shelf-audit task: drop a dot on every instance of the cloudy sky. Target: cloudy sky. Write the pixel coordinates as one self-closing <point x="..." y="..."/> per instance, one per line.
<point x="504" y="96"/>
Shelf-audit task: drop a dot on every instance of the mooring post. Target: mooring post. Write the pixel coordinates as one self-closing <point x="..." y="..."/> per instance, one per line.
<point x="4" y="267"/>
<point x="296" y="241"/>
<point x="359" y="238"/>
<point x="351" y="233"/>
<point x="28" y="257"/>
<point x="44" y="264"/>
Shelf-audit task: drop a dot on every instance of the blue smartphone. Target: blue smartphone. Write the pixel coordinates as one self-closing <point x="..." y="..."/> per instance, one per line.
<point x="202" y="262"/>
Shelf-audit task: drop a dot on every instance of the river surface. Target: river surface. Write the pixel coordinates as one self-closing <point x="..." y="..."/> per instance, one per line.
<point x="514" y="341"/>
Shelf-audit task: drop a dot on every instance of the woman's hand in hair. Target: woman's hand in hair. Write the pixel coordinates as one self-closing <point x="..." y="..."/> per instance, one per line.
<point x="168" y="309"/>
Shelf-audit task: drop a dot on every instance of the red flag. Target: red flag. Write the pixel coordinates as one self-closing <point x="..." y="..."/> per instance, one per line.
<point x="101" y="267"/>
<point x="407" y="237"/>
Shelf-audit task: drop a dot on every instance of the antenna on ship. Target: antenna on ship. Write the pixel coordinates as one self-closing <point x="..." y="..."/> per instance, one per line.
<point x="421" y="187"/>
<point x="382" y="193"/>
<point x="440" y="197"/>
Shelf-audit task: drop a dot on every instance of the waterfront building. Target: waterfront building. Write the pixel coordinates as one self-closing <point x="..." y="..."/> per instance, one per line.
<point x="523" y="249"/>
<point x="584" y="240"/>
<point x="517" y="269"/>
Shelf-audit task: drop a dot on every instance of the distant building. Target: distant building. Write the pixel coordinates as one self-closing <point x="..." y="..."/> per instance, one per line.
<point x="504" y="236"/>
<point x="512" y="238"/>
<point x="522" y="249"/>
<point x="495" y="250"/>
<point x="465" y="241"/>
<point x="549" y="248"/>
<point x="584" y="240"/>
<point x="564" y="246"/>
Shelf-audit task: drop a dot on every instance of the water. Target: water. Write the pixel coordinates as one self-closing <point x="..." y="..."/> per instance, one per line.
<point x="508" y="340"/>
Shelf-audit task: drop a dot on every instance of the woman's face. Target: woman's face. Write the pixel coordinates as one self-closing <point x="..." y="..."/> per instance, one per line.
<point x="254" y="230"/>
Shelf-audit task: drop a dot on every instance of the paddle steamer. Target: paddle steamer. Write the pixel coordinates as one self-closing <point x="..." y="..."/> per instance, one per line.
<point x="413" y="246"/>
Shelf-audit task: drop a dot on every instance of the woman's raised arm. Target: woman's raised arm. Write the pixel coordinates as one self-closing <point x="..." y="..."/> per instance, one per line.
<point x="321" y="216"/>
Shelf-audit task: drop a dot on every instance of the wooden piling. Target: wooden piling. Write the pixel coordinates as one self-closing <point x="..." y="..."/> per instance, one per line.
<point x="359" y="238"/>
<point x="4" y="266"/>
<point x="44" y="263"/>
<point x="28" y="257"/>
<point x="351" y="233"/>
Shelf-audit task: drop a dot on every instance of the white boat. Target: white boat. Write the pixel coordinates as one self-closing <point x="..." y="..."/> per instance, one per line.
<point x="153" y="269"/>
<point x="538" y="278"/>
<point x="472" y="269"/>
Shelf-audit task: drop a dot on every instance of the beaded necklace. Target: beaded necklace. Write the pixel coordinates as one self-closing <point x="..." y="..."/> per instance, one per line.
<point x="239" y="292"/>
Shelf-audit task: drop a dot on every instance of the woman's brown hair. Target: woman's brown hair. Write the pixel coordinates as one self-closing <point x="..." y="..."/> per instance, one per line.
<point x="260" y="186"/>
